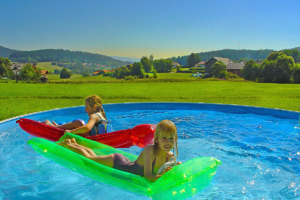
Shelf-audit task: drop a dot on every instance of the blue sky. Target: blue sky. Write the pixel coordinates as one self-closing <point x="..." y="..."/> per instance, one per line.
<point x="135" y="28"/>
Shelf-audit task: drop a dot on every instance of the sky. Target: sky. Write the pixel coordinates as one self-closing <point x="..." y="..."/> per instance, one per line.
<point x="136" y="28"/>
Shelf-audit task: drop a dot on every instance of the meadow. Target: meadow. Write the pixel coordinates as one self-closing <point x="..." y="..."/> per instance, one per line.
<point x="22" y="98"/>
<point x="48" y="66"/>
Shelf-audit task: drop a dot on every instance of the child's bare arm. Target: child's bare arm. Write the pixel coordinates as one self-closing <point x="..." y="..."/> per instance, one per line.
<point x="86" y="128"/>
<point x="148" y="155"/>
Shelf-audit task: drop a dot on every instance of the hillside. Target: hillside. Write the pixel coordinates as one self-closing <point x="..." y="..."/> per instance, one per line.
<point x="232" y="54"/>
<point x="5" y="52"/>
<point x="66" y="56"/>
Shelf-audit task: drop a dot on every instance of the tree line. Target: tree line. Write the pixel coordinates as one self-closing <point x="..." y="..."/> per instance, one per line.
<point x="277" y="68"/>
<point x="234" y="55"/>
<point x="65" y="56"/>
<point x="146" y="65"/>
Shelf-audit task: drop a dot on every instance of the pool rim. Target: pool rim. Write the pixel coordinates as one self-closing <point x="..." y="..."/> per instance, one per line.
<point x="215" y="105"/>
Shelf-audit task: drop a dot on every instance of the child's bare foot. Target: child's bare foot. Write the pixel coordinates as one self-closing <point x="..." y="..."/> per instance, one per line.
<point x="55" y="124"/>
<point x="48" y="123"/>
<point x="65" y="143"/>
<point x="73" y="141"/>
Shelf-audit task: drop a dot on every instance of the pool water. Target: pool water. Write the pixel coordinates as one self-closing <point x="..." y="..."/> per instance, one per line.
<point x="260" y="156"/>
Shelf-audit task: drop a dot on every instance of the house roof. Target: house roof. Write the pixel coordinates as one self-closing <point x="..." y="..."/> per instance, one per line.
<point x="226" y="61"/>
<point x="201" y="63"/>
<point x="96" y="72"/>
<point x="44" y="72"/>
<point x="235" y="65"/>
<point x="17" y="66"/>
<point x="175" y="63"/>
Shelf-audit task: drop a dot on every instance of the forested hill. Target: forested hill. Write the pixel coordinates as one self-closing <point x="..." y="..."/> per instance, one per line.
<point x="5" y="52"/>
<point x="65" y="56"/>
<point x="232" y="54"/>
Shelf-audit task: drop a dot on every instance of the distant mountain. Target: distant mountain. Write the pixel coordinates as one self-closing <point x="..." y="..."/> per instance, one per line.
<point x="65" y="56"/>
<point x="5" y="52"/>
<point x="130" y="59"/>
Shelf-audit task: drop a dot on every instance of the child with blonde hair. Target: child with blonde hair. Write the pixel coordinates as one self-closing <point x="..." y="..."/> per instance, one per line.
<point x="148" y="163"/>
<point x="96" y="113"/>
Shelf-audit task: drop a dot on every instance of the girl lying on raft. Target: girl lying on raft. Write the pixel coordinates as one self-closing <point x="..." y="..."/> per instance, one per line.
<point x="96" y="113"/>
<point x="149" y="162"/>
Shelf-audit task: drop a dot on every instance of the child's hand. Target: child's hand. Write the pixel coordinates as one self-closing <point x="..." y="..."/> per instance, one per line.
<point x="178" y="163"/>
<point x="166" y="170"/>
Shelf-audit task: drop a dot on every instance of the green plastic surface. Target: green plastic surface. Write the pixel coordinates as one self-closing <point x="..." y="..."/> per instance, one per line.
<point x="181" y="182"/>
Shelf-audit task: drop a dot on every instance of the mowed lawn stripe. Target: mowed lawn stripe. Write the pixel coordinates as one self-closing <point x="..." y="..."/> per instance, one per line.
<point x="22" y="98"/>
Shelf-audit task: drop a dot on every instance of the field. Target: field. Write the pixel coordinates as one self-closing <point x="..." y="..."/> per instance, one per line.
<point x="22" y="98"/>
<point x="48" y="66"/>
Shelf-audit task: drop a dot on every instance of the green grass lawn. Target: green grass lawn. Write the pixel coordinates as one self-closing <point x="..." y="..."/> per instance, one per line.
<point x="48" y="66"/>
<point x="22" y="98"/>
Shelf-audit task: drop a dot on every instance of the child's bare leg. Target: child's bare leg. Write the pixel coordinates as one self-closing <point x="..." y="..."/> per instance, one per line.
<point x="104" y="160"/>
<point x="71" y="125"/>
<point x="90" y="151"/>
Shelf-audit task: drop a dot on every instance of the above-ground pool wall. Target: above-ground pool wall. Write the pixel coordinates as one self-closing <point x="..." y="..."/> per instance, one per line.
<point x="119" y="107"/>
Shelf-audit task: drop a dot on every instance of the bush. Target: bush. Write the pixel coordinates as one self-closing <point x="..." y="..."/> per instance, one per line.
<point x="223" y="75"/>
<point x="85" y="74"/>
<point x="107" y="74"/>
<point x="231" y="75"/>
<point x="147" y="76"/>
<point x="129" y="78"/>
<point x="65" y="73"/>
<point x="178" y="68"/>
<point x="217" y="68"/>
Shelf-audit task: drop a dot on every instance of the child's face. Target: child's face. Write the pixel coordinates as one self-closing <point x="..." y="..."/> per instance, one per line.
<point x="88" y="109"/>
<point x="166" y="142"/>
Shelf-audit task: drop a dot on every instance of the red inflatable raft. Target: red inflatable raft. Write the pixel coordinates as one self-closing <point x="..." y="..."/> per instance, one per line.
<point x="140" y="135"/>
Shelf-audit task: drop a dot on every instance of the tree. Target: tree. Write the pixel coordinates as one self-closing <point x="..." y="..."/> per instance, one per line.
<point x="294" y="53"/>
<point x="151" y="58"/>
<point x="163" y="65"/>
<point x="193" y="59"/>
<point x="284" y="67"/>
<point x="122" y="72"/>
<point x="274" y="55"/>
<point x="5" y="61"/>
<point x="2" y="69"/>
<point x="193" y="70"/>
<point x="154" y="74"/>
<point x="250" y="70"/>
<point x="146" y="64"/>
<point x="57" y="71"/>
<point x="137" y="70"/>
<point x="129" y="67"/>
<point x="217" y="68"/>
<point x="296" y="74"/>
<point x="268" y="71"/>
<point x="28" y="73"/>
<point x="65" y="73"/>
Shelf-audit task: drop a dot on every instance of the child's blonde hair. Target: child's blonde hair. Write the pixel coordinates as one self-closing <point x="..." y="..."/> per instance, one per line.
<point x="95" y="100"/>
<point x="163" y="128"/>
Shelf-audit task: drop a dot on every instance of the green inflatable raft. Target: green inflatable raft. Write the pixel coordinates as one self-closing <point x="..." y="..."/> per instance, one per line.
<point x="181" y="182"/>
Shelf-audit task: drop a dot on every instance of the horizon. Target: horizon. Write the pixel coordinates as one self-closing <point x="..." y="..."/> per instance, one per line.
<point x="135" y="29"/>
